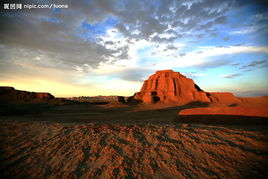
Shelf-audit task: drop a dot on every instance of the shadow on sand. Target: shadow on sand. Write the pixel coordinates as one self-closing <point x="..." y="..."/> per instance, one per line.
<point x="128" y="114"/>
<point x="223" y="119"/>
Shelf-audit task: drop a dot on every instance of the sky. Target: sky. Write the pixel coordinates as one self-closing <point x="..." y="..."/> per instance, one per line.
<point x="109" y="47"/>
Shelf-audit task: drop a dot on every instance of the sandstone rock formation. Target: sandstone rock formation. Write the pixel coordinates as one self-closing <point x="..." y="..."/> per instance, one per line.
<point x="172" y="87"/>
<point x="9" y="94"/>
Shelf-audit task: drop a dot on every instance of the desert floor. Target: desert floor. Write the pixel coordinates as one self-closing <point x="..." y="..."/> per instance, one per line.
<point x="120" y="141"/>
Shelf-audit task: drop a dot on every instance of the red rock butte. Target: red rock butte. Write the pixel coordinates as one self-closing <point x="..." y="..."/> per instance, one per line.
<point x="171" y="87"/>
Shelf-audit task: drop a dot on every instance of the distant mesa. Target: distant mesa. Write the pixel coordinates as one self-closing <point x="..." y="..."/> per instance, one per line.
<point x="171" y="87"/>
<point x="100" y="99"/>
<point x="10" y="94"/>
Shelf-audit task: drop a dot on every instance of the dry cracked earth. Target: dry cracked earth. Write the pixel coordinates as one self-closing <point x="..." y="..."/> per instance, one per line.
<point x="59" y="143"/>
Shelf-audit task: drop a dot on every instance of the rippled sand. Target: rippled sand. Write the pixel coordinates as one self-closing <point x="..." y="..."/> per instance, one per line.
<point x="75" y="150"/>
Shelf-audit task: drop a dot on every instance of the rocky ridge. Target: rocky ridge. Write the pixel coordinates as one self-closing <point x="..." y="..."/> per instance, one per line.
<point x="10" y="94"/>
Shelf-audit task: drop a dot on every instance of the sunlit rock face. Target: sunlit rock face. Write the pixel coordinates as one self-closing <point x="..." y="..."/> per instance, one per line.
<point x="168" y="86"/>
<point x="171" y="87"/>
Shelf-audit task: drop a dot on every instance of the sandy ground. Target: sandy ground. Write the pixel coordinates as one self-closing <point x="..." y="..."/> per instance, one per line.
<point x="120" y="141"/>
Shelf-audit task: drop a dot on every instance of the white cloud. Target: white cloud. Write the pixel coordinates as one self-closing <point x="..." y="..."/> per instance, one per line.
<point x="144" y="54"/>
<point x="231" y="75"/>
<point x="193" y="74"/>
<point x="244" y="31"/>
<point x="214" y="51"/>
<point x="196" y="59"/>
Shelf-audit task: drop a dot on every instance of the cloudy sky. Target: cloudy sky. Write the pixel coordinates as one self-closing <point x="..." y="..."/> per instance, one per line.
<point x="108" y="47"/>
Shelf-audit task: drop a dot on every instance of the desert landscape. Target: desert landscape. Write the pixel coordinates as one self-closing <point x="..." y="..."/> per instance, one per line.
<point x="170" y="129"/>
<point x="146" y="89"/>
